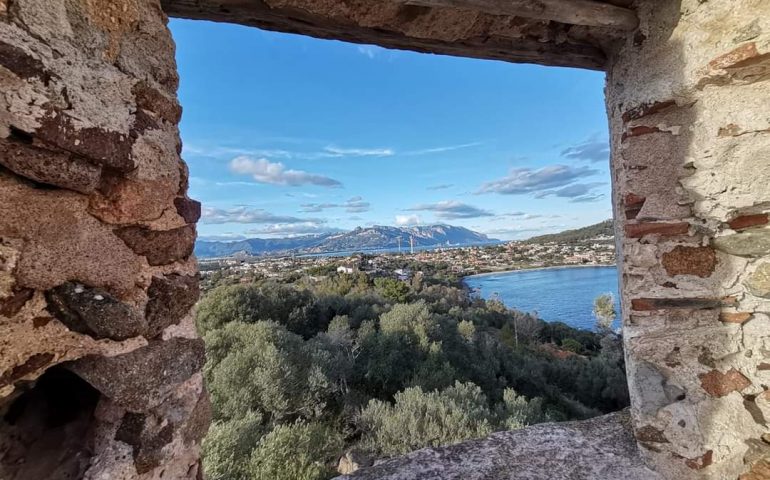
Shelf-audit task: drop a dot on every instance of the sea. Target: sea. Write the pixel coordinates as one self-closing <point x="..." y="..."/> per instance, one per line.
<point x="559" y="294"/>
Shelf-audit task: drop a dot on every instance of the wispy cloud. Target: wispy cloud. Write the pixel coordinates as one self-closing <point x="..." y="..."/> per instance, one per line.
<point x="594" y="149"/>
<point x="451" y="210"/>
<point x="526" y="180"/>
<point x="575" y="190"/>
<point x="222" y="237"/>
<point x="448" y="148"/>
<point x="248" y="215"/>
<point x="293" y="229"/>
<point x="370" y="51"/>
<point x="226" y="151"/>
<point x="335" y="151"/>
<point x="404" y="220"/>
<point x="593" y="197"/>
<point x="443" y="186"/>
<point x="352" y="205"/>
<point x="264" y="171"/>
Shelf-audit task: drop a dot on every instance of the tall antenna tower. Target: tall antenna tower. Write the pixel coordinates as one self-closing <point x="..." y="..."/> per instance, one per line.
<point x="399" y="244"/>
<point x="411" y="243"/>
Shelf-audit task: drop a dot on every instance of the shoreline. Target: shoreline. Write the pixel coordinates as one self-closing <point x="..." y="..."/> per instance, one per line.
<point x="553" y="267"/>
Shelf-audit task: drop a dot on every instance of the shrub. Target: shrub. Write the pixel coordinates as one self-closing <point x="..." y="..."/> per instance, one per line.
<point x="420" y="419"/>
<point x="298" y="451"/>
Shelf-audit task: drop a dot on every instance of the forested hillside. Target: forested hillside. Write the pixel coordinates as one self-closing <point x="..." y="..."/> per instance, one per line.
<point x="304" y="370"/>
<point x="599" y="230"/>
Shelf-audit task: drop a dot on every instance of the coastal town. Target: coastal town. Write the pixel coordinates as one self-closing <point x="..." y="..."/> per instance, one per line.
<point x="459" y="261"/>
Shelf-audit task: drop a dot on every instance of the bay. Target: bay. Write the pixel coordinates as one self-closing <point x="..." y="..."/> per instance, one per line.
<point x="564" y="294"/>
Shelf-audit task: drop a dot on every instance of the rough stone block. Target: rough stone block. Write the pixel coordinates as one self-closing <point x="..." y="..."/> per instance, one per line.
<point x="149" y="98"/>
<point x="94" y="312"/>
<point x="146" y="442"/>
<point x="60" y="169"/>
<point x="718" y="384"/>
<point x="12" y="305"/>
<point x="759" y="281"/>
<point x="170" y="298"/>
<point x="32" y="364"/>
<point x="161" y="247"/>
<point x="752" y="243"/>
<point x="188" y="209"/>
<point x="682" y="260"/>
<point x="140" y="379"/>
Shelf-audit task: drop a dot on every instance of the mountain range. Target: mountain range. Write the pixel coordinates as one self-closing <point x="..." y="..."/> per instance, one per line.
<point x="368" y="238"/>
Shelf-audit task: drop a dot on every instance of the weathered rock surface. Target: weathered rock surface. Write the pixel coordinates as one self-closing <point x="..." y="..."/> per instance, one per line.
<point x="94" y="312"/>
<point x="139" y="380"/>
<point x="752" y="243"/>
<point x="759" y="281"/>
<point x="600" y="448"/>
<point x="161" y="247"/>
<point x="171" y="298"/>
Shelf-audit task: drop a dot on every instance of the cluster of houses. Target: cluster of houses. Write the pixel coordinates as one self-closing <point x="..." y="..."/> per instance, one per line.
<point x="461" y="261"/>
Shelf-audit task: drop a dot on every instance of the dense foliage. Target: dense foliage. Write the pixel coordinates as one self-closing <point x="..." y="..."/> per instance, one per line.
<point x="301" y="371"/>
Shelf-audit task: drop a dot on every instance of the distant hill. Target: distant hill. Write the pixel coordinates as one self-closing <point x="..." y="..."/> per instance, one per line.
<point x="370" y="238"/>
<point x="602" y="230"/>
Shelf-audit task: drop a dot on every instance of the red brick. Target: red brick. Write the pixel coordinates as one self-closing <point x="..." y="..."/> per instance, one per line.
<point x="734" y="317"/>
<point x="701" y="462"/>
<point x="638" y="230"/>
<point x="648" y="304"/>
<point x="638" y="131"/>
<point x="647" y="109"/>
<point x="718" y="384"/>
<point x="734" y="57"/>
<point x="745" y="221"/>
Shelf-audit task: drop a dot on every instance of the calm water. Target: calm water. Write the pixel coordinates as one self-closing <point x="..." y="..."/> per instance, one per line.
<point x="557" y="294"/>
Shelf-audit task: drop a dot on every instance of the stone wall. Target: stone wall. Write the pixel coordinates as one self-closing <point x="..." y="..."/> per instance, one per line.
<point x="688" y="97"/>
<point x="99" y="358"/>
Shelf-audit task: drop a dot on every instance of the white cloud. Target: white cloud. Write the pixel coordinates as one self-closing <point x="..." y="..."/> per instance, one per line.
<point x="593" y="149"/>
<point x="352" y="205"/>
<point x="264" y="171"/>
<point x="293" y="229"/>
<point x="527" y="180"/>
<point x="452" y="210"/>
<point x="247" y="215"/>
<point x="404" y="220"/>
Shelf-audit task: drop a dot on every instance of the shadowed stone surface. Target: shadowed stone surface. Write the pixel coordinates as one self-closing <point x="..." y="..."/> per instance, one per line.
<point x="599" y="448"/>
<point x="395" y="24"/>
<point x="94" y="312"/>
<point x="171" y="297"/>
<point x="140" y="379"/>
<point x="160" y="247"/>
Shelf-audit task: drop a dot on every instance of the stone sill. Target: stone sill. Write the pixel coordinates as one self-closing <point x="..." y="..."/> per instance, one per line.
<point x="601" y="448"/>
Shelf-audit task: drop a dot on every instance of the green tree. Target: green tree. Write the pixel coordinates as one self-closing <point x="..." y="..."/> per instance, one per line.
<point x="392" y="289"/>
<point x="228" y="446"/>
<point x="604" y="311"/>
<point x="272" y="371"/>
<point x="297" y="451"/>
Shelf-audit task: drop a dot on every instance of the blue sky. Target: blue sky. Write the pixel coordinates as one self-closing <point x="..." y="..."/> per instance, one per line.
<point x="287" y="135"/>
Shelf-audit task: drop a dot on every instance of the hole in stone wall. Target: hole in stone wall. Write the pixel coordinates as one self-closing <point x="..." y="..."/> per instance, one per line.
<point x="390" y="179"/>
<point x="44" y="431"/>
